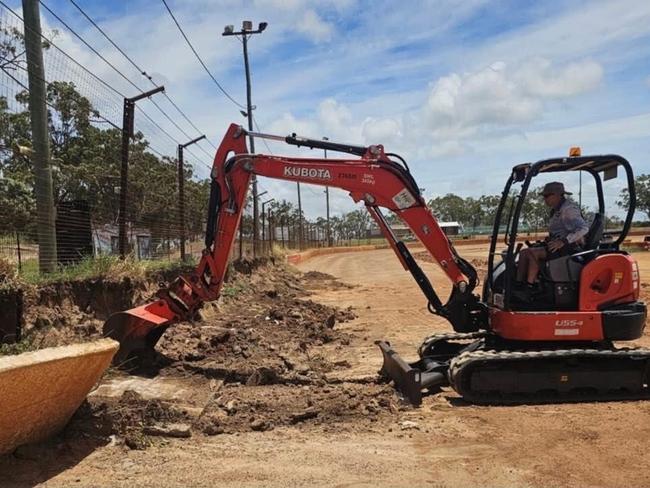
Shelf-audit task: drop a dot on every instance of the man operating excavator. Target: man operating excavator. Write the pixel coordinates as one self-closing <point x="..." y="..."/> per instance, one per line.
<point x="566" y="229"/>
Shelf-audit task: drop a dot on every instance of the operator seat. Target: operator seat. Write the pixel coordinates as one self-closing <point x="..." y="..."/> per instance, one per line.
<point x="564" y="272"/>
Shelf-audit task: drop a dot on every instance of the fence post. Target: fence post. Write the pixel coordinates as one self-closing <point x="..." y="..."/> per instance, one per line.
<point x="128" y="117"/>
<point x="20" y="264"/>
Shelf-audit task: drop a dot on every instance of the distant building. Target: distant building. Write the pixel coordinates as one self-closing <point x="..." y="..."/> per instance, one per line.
<point x="106" y="240"/>
<point x="451" y="228"/>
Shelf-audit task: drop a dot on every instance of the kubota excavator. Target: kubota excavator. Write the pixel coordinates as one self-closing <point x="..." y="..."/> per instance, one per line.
<point x="557" y="348"/>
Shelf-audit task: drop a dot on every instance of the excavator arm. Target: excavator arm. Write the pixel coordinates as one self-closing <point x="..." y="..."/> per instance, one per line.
<point x="371" y="177"/>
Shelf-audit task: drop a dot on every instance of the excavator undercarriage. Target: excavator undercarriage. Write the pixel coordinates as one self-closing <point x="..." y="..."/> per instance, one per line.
<point x="484" y="369"/>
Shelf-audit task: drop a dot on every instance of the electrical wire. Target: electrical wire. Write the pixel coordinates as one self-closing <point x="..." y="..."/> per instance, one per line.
<point x="107" y="85"/>
<point x="199" y="58"/>
<point x="122" y="75"/>
<point x="135" y="65"/>
<point x="25" y="87"/>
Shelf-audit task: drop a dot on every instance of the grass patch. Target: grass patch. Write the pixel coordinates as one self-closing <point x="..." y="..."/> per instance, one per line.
<point x="25" y="345"/>
<point x="232" y="290"/>
<point x="111" y="267"/>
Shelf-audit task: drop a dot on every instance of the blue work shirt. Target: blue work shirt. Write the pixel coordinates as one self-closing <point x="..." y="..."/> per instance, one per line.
<point x="567" y="223"/>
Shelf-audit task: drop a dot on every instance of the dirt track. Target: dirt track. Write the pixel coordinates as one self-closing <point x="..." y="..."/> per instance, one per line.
<point x="444" y="443"/>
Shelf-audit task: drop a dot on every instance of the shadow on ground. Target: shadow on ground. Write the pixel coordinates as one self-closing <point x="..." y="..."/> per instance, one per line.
<point x="32" y="464"/>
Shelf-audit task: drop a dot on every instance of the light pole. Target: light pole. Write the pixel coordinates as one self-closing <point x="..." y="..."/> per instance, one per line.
<point x="181" y="193"/>
<point x="263" y="221"/>
<point x="245" y="33"/>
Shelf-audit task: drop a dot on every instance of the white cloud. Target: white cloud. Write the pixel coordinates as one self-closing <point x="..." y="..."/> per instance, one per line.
<point x="501" y="95"/>
<point x="334" y="116"/>
<point x="540" y="78"/>
<point x="381" y="130"/>
<point x="314" y="27"/>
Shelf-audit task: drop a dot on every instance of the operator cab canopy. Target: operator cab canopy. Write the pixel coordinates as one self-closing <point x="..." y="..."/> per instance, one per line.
<point x="602" y="168"/>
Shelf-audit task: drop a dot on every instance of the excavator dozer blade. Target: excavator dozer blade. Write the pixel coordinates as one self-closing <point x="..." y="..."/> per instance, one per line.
<point x="407" y="380"/>
<point x="411" y="379"/>
<point x="138" y="330"/>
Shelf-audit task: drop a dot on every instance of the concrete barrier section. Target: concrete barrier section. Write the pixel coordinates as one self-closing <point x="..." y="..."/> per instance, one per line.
<point x="39" y="391"/>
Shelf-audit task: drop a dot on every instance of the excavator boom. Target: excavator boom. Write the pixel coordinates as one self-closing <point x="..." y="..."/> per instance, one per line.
<point x="371" y="177"/>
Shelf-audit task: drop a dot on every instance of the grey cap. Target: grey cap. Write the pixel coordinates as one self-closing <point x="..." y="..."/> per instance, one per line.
<point x="555" y="187"/>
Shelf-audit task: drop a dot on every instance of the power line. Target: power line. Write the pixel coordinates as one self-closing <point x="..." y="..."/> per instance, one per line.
<point x="25" y="87"/>
<point x="128" y="80"/>
<point x="113" y="89"/>
<point x="142" y="72"/>
<point x="107" y="85"/>
<point x="200" y="60"/>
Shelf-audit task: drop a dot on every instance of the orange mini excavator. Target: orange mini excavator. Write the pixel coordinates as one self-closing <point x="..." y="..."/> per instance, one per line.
<point x="559" y="348"/>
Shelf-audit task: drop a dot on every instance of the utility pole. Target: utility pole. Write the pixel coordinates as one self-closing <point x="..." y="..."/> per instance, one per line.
<point x="245" y="33"/>
<point x="300" y="236"/>
<point x="128" y="118"/>
<point x="47" y="254"/>
<point x="181" y="192"/>
<point x="327" y="204"/>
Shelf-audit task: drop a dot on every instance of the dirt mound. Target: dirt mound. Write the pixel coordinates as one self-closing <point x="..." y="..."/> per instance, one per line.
<point x="240" y="409"/>
<point x="261" y="335"/>
<point x="261" y="340"/>
<point x="315" y="280"/>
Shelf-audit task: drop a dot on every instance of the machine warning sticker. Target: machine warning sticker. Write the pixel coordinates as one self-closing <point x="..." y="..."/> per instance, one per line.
<point x="404" y="199"/>
<point x="567" y="327"/>
<point x="567" y="332"/>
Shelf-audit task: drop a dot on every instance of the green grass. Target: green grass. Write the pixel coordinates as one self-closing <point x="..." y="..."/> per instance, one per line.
<point x="97" y="267"/>
<point x="26" y="345"/>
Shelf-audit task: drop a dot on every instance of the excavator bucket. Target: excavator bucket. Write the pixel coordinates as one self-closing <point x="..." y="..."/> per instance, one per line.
<point x="138" y="329"/>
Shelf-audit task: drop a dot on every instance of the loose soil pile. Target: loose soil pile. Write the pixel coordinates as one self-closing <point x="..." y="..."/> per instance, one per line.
<point x="261" y="345"/>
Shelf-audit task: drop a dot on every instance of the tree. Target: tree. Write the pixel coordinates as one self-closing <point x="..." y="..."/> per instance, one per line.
<point x="17" y="202"/>
<point x="534" y="212"/>
<point x="449" y="208"/>
<point x="642" y="189"/>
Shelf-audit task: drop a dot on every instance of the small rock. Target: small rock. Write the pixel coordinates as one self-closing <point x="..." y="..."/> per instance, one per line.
<point x="260" y="425"/>
<point x="306" y="415"/>
<point x="213" y="429"/>
<point x="276" y="314"/>
<point x="409" y="425"/>
<point x="231" y="406"/>
<point x="220" y="336"/>
<point x="42" y="322"/>
<point x="331" y="321"/>
<point x="169" y="430"/>
<point x="193" y="356"/>
<point x="136" y="441"/>
<point x="263" y="376"/>
<point x="295" y="314"/>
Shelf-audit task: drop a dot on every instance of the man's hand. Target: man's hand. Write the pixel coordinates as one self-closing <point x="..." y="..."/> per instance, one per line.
<point x="555" y="245"/>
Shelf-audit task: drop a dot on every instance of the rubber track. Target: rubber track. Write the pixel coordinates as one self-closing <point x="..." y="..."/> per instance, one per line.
<point x="462" y="364"/>
<point x="449" y="336"/>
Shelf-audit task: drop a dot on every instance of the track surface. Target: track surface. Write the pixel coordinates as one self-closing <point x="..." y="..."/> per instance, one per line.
<point x="448" y="443"/>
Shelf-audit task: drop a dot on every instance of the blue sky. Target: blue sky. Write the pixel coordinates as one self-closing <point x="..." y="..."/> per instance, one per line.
<point x="463" y="89"/>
